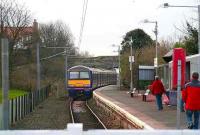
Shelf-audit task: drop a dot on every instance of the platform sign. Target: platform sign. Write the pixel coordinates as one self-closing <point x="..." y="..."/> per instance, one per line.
<point x="155" y="62"/>
<point x="131" y="59"/>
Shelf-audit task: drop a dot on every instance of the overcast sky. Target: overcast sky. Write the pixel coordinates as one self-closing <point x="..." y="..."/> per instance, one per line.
<point x="107" y="21"/>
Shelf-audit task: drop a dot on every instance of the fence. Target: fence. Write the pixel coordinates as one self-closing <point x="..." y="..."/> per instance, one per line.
<point x="77" y="129"/>
<point x="23" y="105"/>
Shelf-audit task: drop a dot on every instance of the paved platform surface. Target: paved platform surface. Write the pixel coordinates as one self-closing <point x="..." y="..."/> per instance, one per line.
<point x="53" y="113"/>
<point x="145" y="111"/>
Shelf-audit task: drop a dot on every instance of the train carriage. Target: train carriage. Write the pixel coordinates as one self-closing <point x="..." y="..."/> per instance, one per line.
<point x="83" y="80"/>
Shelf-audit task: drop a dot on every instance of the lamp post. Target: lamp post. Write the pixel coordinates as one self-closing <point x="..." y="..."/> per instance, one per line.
<point x="156" y="34"/>
<point x="131" y="64"/>
<point x="166" y="5"/>
<point x="119" y="81"/>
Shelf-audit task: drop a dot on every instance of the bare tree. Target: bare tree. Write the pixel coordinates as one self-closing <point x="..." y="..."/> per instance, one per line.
<point x="4" y="9"/>
<point x="58" y="35"/>
<point x="14" y="18"/>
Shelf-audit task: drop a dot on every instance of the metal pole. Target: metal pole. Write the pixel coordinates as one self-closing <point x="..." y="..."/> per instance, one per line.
<point x="5" y="82"/>
<point x="178" y="113"/>
<point x="66" y="69"/>
<point x="119" y="68"/>
<point x="131" y="66"/>
<point x="156" y="33"/>
<point x="38" y="68"/>
<point x="199" y="29"/>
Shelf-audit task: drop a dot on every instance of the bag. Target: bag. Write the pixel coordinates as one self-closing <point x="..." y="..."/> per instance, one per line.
<point x="165" y="99"/>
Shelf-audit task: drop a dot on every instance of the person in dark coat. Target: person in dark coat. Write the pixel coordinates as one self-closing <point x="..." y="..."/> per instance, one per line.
<point x="158" y="90"/>
<point x="191" y="97"/>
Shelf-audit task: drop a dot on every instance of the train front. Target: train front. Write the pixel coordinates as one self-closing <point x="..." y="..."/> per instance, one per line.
<point x="79" y="82"/>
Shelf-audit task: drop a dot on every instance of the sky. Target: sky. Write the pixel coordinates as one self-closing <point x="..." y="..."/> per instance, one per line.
<point x="107" y="21"/>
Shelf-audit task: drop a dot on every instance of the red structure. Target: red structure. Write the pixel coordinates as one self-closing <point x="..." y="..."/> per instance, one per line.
<point x="178" y="54"/>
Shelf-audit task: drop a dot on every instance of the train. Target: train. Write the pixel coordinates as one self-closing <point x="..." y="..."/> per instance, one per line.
<point x="83" y="80"/>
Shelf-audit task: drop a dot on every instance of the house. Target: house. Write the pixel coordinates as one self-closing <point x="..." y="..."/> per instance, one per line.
<point x="21" y="37"/>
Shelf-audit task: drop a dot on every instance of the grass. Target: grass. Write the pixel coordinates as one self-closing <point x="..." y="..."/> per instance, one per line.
<point x="13" y="93"/>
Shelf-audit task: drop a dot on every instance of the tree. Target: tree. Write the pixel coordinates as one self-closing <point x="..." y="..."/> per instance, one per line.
<point x="55" y="34"/>
<point x="179" y="45"/>
<point x="190" y="41"/>
<point x="14" y="18"/>
<point x="140" y="40"/>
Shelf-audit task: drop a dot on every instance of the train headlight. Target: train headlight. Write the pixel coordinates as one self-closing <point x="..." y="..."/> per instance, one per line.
<point x="70" y="85"/>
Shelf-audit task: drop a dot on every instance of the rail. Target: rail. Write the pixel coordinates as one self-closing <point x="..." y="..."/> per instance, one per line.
<point x="86" y="115"/>
<point x="71" y="111"/>
<point x="95" y="116"/>
<point x="123" y="113"/>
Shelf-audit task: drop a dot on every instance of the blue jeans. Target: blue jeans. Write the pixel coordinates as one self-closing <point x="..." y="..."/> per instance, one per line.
<point x="189" y="114"/>
<point x="159" y="101"/>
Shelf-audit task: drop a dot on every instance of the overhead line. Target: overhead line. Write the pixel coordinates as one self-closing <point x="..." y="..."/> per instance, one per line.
<point x="52" y="56"/>
<point x="84" y="12"/>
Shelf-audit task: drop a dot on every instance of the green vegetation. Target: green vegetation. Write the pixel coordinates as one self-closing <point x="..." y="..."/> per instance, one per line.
<point x="139" y="41"/>
<point x="143" y="84"/>
<point x="13" y="93"/>
<point x="190" y="40"/>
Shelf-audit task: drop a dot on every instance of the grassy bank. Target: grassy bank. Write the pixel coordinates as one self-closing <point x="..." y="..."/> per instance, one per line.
<point x="13" y="93"/>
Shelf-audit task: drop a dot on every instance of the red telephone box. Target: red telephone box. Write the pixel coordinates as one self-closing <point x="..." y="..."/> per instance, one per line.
<point x="178" y="54"/>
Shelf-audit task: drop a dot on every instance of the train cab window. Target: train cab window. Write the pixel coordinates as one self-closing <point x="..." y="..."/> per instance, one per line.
<point x="74" y="75"/>
<point x="84" y="75"/>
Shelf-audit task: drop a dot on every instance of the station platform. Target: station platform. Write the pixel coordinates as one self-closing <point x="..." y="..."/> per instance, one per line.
<point x="145" y="111"/>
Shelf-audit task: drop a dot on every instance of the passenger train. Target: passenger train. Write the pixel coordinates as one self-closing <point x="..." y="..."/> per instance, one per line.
<point x="83" y="80"/>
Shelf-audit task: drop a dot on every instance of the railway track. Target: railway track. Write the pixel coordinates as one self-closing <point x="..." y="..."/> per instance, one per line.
<point x="81" y="112"/>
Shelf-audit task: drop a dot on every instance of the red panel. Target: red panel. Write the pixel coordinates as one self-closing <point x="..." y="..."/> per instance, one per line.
<point x="178" y="54"/>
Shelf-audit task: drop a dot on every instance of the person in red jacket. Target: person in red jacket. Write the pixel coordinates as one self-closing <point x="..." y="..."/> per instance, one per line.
<point x="191" y="97"/>
<point x="158" y="90"/>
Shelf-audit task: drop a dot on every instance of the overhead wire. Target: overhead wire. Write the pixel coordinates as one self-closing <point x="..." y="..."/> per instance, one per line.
<point x="84" y="12"/>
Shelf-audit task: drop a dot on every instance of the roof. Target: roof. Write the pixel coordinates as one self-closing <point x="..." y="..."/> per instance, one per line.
<point x="90" y="69"/>
<point x="146" y="67"/>
<point x="168" y="56"/>
<point x="24" y="31"/>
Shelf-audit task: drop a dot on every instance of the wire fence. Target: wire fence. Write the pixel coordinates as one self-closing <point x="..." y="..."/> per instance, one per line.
<point x="20" y="106"/>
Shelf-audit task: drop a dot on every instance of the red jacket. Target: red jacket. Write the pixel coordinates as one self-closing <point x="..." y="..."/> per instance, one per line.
<point x="157" y="87"/>
<point x="191" y="95"/>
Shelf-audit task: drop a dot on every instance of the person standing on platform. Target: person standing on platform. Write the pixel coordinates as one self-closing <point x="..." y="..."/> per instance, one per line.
<point x="191" y="97"/>
<point x="158" y="90"/>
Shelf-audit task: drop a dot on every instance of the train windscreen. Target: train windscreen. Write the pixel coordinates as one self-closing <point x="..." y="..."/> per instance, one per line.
<point x="84" y="75"/>
<point x="79" y="75"/>
<point x="74" y="75"/>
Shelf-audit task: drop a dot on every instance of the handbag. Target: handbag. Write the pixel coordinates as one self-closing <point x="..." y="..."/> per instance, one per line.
<point x="165" y="99"/>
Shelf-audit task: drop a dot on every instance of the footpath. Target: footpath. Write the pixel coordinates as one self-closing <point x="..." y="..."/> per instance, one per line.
<point x="53" y="113"/>
<point x="145" y="111"/>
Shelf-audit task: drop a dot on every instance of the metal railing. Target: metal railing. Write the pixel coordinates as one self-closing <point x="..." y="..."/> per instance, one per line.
<point x="20" y="106"/>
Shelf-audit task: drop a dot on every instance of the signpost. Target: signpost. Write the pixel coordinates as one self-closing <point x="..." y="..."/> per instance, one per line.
<point x="155" y="62"/>
<point x="131" y="59"/>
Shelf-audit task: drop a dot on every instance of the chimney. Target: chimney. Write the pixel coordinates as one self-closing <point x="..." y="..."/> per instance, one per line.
<point x="35" y="26"/>
<point x="35" y="30"/>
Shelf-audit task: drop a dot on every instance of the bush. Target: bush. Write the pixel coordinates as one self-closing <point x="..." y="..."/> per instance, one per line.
<point x="144" y="83"/>
<point x="125" y="83"/>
